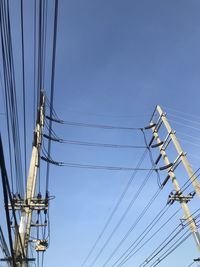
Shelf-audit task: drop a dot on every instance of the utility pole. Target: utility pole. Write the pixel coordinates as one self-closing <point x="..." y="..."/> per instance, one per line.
<point x="162" y="145"/>
<point x="31" y="202"/>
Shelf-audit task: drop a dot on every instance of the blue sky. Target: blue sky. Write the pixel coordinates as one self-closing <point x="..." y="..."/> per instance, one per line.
<point x="115" y="61"/>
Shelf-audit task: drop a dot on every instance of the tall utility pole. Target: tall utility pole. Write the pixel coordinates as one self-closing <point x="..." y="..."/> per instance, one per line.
<point x="30" y="203"/>
<point x="162" y="145"/>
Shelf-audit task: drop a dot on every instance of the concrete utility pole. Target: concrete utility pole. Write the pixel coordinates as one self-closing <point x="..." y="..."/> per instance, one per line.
<point x="30" y="203"/>
<point x="162" y="145"/>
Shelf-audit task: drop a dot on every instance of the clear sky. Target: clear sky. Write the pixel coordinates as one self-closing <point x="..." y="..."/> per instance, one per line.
<point x="115" y="61"/>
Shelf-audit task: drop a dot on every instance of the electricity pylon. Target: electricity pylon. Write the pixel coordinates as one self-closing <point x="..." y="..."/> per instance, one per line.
<point x="31" y="203"/>
<point x="162" y="145"/>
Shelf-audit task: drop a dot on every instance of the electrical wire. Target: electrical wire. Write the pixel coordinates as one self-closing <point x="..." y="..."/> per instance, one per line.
<point x="95" y="167"/>
<point x="183" y="118"/>
<point x="191" y="179"/>
<point x="151" y="158"/>
<point x="189" y="142"/>
<point x="179" y="242"/>
<point x="90" y="125"/>
<point x="24" y="94"/>
<point x="83" y="143"/>
<point x="189" y="135"/>
<point x="182" y="112"/>
<point x="136" y="195"/>
<point x="146" y="208"/>
<point x="168" y="240"/>
<point x="191" y="264"/>
<point x="34" y="63"/>
<point x="115" y="208"/>
<point x="185" y="125"/>
<point x="52" y="86"/>
<point x="132" y="252"/>
<point x="10" y="94"/>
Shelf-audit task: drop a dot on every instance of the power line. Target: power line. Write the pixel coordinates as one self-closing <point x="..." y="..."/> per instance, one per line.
<point x="189" y="142"/>
<point x="10" y="93"/>
<point x="136" y="195"/>
<point x="146" y="208"/>
<point x="52" y="86"/>
<point x="182" y="112"/>
<point x="83" y="143"/>
<point x="184" y="119"/>
<point x="176" y="244"/>
<point x="96" y="167"/>
<point x="90" y="125"/>
<point x="191" y="264"/>
<point x="115" y="208"/>
<point x="130" y="254"/>
<point x="185" y="125"/>
<point x="167" y="241"/>
<point x="23" y="86"/>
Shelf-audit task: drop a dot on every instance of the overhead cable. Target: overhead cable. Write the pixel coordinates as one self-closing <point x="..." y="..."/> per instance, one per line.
<point x="183" y="118"/>
<point x="90" y="125"/>
<point x="83" y="143"/>
<point x="136" y="195"/>
<point x="95" y="167"/>
<point x="134" y="246"/>
<point x="23" y="88"/>
<point x="185" y="125"/>
<point x="107" y="223"/>
<point x="52" y="85"/>
<point x="168" y="240"/>
<point x="138" y="219"/>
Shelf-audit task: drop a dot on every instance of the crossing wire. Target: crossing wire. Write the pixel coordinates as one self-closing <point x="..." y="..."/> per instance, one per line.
<point x="130" y="254"/>
<point x="179" y="242"/>
<point x="168" y="240"/>
<point x="133" y="226"/>
<point x="136" y="195"/>
<point x="114" y="209"/>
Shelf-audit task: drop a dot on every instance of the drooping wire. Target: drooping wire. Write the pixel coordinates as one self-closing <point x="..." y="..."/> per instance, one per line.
<point x="55" y="138"/>
<point x="91" y="125"/>
<point x="151" y="157"/>
<point x="91" y="166"/>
